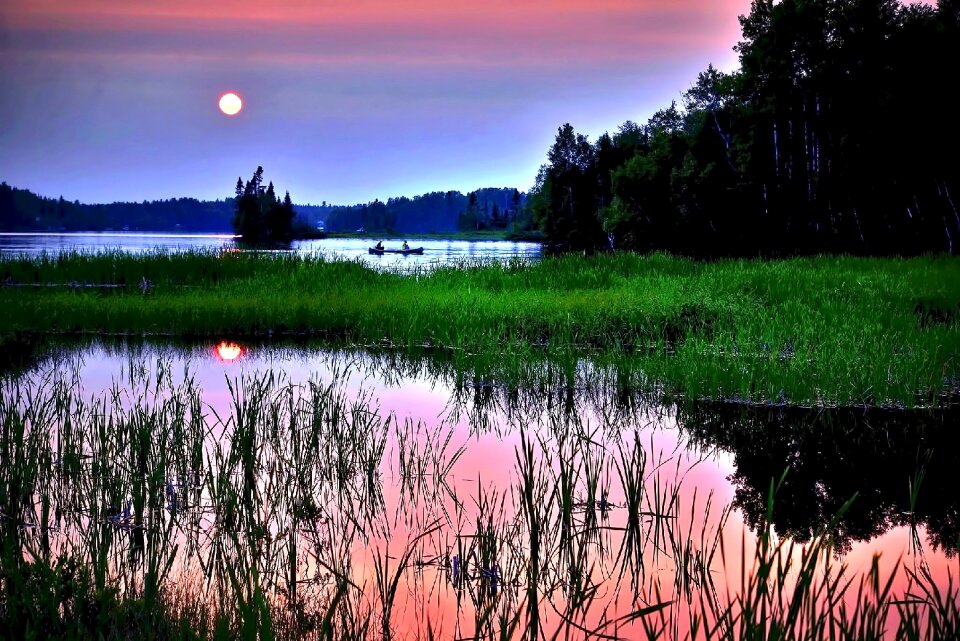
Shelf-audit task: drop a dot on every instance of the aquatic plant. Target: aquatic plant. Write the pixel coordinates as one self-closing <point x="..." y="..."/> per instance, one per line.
<point x="144" y="511"/>
<point x="827" y="330"/>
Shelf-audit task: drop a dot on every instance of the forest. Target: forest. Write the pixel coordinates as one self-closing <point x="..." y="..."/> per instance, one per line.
<point x="22" y="210"/>
<point x="261" y="217"/>
<point x="489" y="208"/>
<point x="836" y="134"/>
<point x="438" y="212"/>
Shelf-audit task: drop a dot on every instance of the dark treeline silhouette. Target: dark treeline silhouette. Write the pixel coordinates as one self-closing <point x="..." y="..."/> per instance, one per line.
<point x="260" y="217"/>
<point x="489" y="208"/>
<point x="837" y="134"/>
<point x="22" y="210"/>
<point x="439" y="211"/>
<point x="898" y="464"/>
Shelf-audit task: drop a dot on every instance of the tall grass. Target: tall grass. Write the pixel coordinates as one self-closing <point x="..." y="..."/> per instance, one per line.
<point x="814" y="330"/>
<point x="143" y="513"/>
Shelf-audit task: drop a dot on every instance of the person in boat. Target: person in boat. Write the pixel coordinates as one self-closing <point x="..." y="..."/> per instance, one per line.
<point x="405" y="246"/>
<point x="379" y="245"/>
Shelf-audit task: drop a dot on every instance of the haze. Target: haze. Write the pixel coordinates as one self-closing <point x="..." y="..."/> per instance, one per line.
<point x="343" y="101"/>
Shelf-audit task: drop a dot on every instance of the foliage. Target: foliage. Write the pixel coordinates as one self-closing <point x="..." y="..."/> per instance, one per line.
<point x="261" y="218"/>
<point x="502" y="209"/>
<point x="22" y="210"/>
<point x="835" y="135"/>
<point x="439" y="211"/>
<point x="564" y="200"/>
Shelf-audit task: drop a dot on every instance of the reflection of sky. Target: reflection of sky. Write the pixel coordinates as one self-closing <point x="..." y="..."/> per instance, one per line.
<point x="33" y="244"/>
<point x="435" y="252"/>
<point x="344" y="101"/>
<point x="488" y="466"/>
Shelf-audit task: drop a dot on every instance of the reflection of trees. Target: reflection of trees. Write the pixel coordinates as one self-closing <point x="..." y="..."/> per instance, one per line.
<point x="290" y="490"/>
<point x="831" y="454"/>
<point x="22" y="353"/>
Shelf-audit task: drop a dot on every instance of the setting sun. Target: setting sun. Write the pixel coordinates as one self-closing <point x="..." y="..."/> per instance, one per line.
<point x="230" y="104"/>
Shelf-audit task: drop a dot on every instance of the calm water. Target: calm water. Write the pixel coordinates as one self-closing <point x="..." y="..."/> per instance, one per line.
<point x="434" y="251"/>
<point x="561" y="503"/>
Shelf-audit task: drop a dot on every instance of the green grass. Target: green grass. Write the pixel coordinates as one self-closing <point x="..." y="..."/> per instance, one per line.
<point x="826" y="330"/>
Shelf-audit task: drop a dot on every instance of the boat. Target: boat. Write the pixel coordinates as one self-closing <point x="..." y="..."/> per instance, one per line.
<point x="405" y="252"/>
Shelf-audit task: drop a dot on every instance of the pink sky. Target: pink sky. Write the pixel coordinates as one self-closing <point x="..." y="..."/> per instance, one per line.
<point x="344" y="101"/>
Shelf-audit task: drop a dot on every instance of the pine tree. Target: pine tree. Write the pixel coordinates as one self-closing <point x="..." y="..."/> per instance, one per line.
<point x="260" y="217"/>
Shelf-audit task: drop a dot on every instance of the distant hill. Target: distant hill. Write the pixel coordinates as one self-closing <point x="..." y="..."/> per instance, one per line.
<point x="23" y="210"/>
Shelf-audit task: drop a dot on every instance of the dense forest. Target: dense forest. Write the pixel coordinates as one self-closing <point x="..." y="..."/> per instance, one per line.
<point x="438" y="211"/>
<point x="491" y="208"/>
<point x="22" y="210"/>
<point x="837" y="134"/>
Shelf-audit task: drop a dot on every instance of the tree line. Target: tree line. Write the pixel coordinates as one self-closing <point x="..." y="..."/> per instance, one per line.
<point x="837" y="134"/>
<point x="487" y="208"/>
<point x="23" y="210"/>
<point x="438" y="212"/>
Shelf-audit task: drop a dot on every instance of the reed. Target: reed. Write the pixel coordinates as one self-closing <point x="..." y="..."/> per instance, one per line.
<point x="831" y="330"/>
<point x="143" y="513"/>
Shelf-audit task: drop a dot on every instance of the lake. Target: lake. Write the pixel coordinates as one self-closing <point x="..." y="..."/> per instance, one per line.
<point x="388" y="494"/>
<point x="435" y="251"/>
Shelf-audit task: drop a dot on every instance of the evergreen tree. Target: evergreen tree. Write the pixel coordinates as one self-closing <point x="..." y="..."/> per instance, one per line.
<point x="564" y="198"/>
<point x="260" y="217"/>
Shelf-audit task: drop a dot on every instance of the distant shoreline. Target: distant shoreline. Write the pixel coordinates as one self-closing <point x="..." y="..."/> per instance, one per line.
<point x="523" y="236"/>
<point x="495" y="235"/>
<point x="149" y="234"/>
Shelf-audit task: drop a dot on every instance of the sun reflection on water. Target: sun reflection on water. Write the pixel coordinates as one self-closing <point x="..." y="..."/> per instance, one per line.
<point x="228" y="351"/>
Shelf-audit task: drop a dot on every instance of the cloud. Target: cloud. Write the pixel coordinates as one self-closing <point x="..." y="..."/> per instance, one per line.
<point x="523" y="33"/>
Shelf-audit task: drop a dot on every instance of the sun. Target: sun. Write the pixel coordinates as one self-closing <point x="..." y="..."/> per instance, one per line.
<point x="230" y="104"/>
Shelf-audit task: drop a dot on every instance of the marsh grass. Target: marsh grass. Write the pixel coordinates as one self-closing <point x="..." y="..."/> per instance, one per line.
<point x="144" y="513"/>
<point x="830" y="330"/>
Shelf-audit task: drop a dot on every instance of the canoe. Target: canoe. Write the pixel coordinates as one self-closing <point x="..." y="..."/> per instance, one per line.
<point x="405" y="252"/>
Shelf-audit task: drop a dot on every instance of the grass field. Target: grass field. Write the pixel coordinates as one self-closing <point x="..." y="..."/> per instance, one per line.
<point x="830" y="330"/>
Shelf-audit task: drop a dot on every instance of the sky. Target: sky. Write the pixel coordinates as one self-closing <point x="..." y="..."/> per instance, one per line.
<point x="345" y="101"/>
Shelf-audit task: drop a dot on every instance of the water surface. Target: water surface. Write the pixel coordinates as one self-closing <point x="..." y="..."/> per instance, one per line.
<point x="435" y="252"/>
<point x="563" y="503"/>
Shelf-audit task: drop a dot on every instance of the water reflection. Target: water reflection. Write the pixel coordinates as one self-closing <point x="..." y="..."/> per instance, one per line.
<point x="388" y="495"/>
<point x="35" y="243"/>
<point x="228" y="351"/>
<point x="435" y="251"/>
<point x="896" y="463"/>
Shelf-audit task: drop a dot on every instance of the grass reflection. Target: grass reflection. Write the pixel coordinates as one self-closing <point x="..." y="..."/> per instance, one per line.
<point x="301" y="509"/>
